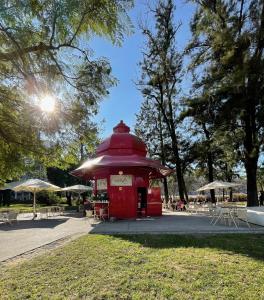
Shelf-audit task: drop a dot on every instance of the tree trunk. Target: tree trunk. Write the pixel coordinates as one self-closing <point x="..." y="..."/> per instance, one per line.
<point x="165" y="182"/>
<point x="69" y="198"/>
<point x="251" y="171"/>
<point x="174" y="140"/>
<point x="178" y="165"/>
<point x="209" y="161"/>
<point x="185" y="191"/>
<point x="251" y="154"/>
<point x="231" y="195"/>
<point x="211" y="174"/>
<point x="166" y="191"/>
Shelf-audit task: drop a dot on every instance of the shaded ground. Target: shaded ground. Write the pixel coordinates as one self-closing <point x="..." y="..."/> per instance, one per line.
<point x="143" y="267"/>
<point x="172" y="222"/>
<point x="27" y="235"/>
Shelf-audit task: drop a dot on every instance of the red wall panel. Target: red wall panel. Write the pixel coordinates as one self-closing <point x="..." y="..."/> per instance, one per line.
<point x="154" y="205"/>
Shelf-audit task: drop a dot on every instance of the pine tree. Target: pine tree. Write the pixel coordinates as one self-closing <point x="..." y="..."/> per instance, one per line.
<point x="150" y="128"/>
<point x="161" y="75"/>
<point x="227" y="44"/>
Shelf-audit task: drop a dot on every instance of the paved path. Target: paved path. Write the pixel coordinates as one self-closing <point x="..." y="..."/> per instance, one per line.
<point x="27" y="235"/>
<point x="172" y="222"/>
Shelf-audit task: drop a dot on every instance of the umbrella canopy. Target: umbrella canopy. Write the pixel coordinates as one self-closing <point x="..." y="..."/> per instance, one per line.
<point x="77" y="188"/>
<point x="156" y="170"/>
<point x="218" y="185"/>
<point x="34" y="186"/>
<point x="11" y="185"/>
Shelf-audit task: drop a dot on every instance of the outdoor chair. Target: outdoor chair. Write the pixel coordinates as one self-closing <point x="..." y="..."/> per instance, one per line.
<point x="3" y="217"/>
<point x="190" y="208"/>
<point x="61" y="210"/>
<point x="214" y="213"/>
<point x="226" y="215"/>
<point x="12" y="217"/>
<point x="89" y="213"/>
<point x="43" y="212"/>
<point x="241" y="215"/>
<point x="102" y="214"/>
<point x="96" y="213"/>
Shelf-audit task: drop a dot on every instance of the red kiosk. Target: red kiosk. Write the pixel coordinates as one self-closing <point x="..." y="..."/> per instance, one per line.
<point x="122" y="174"/>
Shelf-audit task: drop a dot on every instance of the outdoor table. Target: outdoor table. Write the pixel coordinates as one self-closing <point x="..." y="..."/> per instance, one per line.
<point x="226" y="212"/>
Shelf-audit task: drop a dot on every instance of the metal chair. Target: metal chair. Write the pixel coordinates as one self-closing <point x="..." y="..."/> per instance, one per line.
<point x="241" y="215"/>
<point x="226" y="215"/>
<point x="214" y="213"/>
<point x="3" y="217"/>
<point x="102" y="214"/>
<point x="12" y="216"/>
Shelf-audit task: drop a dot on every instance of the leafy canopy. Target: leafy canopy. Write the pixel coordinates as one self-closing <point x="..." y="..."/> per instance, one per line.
<point x="44" y="50"/>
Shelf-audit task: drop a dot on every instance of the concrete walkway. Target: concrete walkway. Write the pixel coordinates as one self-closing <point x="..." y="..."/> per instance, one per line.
<point x="27" y="235"/>
<point x="174" y="223"/>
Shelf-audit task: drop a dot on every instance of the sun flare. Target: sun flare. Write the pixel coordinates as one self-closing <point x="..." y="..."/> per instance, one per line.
<point x="47" y="103"/>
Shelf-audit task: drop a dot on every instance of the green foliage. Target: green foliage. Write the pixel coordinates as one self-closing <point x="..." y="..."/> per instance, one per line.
<point x="44" y="50"/>
<point x="48" y="198"/>
<point x="161" y="70"/>
<point x="227" y="63"/>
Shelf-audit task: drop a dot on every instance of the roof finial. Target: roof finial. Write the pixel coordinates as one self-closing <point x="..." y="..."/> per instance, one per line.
<point x="121" y="128"/>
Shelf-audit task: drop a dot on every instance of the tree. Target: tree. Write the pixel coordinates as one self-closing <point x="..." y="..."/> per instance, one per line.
<point x="44" y="50"/>
<point x="227" y="43"/>
<point x="161" y="75"/>
<point x="202" y="113"/>
<point x="150" y="128"/>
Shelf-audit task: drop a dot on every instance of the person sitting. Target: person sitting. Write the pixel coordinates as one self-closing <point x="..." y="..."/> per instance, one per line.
<point x="180" y="205"/>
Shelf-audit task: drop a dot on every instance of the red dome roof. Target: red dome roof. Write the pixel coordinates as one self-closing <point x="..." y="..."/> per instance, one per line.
<point x="121" y="142"/>
<point x="121" y="149"/>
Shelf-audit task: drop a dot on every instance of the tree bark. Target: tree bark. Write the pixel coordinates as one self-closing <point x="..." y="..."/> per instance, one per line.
<point x="166" y="191"/>
<point x="251" y="171"/>
<point x="209" y="162"/>
<point x="178" y="166"/>
<point x="163" y="161"/>
<point x="185" y="191"/>
<point x="211" y="174"/>
<point x="69" y="198"/>
<point x="171" y="127"/>
<point x="251" y="154"/>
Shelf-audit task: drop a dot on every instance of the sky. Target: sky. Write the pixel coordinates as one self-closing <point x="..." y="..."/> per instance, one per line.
<point x="124" y="100"/>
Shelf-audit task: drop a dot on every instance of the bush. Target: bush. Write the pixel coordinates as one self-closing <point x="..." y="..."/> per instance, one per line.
<point x="48" y="198"/>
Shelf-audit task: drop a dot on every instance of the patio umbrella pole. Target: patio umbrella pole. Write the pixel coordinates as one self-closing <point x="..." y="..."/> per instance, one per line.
<point x="34" y="206"/>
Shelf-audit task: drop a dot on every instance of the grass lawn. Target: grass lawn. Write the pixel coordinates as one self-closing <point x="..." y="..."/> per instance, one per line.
<point x="142" y="267"/>
<point x="18" y="207"/>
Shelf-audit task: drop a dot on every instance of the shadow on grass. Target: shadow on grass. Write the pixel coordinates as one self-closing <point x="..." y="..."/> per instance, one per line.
<point x="28" y="224"/>
<point x="250" y="245"/>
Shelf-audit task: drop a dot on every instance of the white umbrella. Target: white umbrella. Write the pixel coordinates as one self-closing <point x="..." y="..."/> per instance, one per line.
<point x="11" y="185"/>
<point x="34" y="186"/>
<point x="218" y="185"/>
<point x="77" y="188"/>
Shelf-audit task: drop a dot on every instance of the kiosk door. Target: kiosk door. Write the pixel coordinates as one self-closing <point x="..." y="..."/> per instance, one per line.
<point x="142" y="202"/>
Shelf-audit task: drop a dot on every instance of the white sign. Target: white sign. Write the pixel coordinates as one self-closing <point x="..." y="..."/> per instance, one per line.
<point x="121" y="180"/>
<point x="102" y="184"/>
